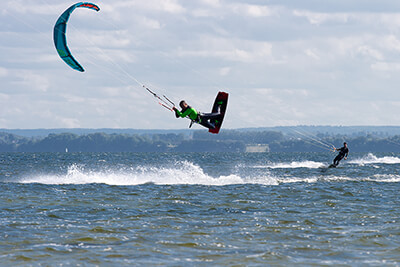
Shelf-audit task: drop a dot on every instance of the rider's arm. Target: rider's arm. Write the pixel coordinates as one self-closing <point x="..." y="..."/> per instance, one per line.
<point x="185" y="113"/>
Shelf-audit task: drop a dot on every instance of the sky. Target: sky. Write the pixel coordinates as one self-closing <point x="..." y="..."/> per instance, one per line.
<point x="283" y="63"/>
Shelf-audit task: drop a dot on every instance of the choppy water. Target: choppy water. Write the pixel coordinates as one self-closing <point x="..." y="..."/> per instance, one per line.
<point x="113" y="209"/>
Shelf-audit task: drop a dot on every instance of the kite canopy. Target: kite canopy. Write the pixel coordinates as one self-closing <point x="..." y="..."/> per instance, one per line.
<point x="60" y="40"/>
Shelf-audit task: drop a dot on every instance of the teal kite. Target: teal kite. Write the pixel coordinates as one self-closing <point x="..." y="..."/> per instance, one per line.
<point x="60" y="40"/>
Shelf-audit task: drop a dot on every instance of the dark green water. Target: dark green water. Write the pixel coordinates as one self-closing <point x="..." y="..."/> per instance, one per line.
<point x="199" y="209"/>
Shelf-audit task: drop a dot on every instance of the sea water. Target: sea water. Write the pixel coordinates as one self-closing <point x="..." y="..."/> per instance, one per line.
<point x="124" y="209"/>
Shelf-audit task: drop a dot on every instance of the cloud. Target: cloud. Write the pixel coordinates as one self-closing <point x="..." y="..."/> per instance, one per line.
<point x="391" y="42"/>
<point x="386" y="66"/>
<point x="70" y="122"/>
<point x="288" y="58"/>
<point x="28" y="81"/>
<point x="369" y="52"/>
<point x="225" y="71"/>
<point x="312" y="54"/>
<point x="134" y="7"/>
<point x="150" y="23"/>
<point x="252" y="10"/>
<point x="320" y="18"/>
<point x="228" y="49"/>
<point x="32" y="7"/>
<point x="3" y="72"/>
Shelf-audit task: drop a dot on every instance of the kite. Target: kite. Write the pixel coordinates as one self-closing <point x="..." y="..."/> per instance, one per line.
<point x="59" y="35"/>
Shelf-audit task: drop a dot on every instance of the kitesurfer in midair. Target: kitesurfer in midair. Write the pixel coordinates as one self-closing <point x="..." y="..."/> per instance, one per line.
<point x="343" y="153"/>
<point x="198" y="117"/>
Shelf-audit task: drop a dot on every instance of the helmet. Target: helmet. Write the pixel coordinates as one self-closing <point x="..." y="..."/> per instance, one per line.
<point x="182" y="103"/>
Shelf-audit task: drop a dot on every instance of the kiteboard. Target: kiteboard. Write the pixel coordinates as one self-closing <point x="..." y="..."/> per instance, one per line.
<point x="326" y="167"/>
<point x="222" y="101"/>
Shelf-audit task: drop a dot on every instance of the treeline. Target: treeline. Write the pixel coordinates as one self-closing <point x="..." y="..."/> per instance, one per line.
<point x="199" y="141"/>
<point x="101" y="142"/>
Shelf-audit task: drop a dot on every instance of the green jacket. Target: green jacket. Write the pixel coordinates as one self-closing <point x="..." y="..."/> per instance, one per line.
<point x="189" y="112"/>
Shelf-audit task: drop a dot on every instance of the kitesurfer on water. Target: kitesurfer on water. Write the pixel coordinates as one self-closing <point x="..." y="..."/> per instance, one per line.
<point x="343" y="153"/>
<point x="198" y="117"/>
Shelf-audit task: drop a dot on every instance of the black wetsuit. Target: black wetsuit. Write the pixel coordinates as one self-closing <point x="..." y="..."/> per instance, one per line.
<point x="343" y="152"/>
<point x="206" y="117"/>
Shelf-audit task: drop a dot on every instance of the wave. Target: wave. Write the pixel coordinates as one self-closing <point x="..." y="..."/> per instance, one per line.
<point x="389" y="178"/>
<point x="372" y="159"/>
<point x="184" y="172"/>
<point x="179" y="173"/>
<point x="380" y="178"/>
<point x="301" y="164"/>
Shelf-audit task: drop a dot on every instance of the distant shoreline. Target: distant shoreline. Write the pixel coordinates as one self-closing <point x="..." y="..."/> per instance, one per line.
<point x="281" y="139"/>
<point x="314" y="129"/>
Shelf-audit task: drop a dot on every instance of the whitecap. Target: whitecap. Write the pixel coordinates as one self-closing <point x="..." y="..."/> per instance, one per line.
<point x="295" y="164"/>
<point x="179" y="173"/>
<point x="372" y="159"/>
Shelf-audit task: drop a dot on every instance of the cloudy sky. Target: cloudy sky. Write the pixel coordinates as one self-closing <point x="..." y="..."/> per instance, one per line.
<point x="283" y="62"/>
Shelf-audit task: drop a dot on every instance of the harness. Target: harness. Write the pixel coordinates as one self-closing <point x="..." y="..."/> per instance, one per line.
<point x="197" y="120"/>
